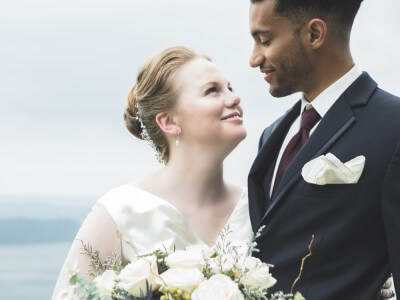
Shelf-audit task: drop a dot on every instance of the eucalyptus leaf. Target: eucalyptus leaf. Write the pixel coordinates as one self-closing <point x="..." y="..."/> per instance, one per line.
<point x="73" y="280"/>
<point x="298" y="296"/>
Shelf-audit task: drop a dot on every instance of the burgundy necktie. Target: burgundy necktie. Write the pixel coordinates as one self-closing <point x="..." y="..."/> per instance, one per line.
<point x="309" y="118"/>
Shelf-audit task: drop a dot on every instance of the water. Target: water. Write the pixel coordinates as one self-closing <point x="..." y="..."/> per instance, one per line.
<point x="30" y="271"/>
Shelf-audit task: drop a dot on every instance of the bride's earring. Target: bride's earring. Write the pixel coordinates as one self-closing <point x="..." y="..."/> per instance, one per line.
<point x="178" y="142"/>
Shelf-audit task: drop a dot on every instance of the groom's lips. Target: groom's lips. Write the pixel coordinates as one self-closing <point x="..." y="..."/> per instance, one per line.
<point x="268" y="73"/>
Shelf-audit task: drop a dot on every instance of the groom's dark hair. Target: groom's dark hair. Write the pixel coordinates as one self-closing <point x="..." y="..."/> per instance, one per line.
<point x="339" y="14"/>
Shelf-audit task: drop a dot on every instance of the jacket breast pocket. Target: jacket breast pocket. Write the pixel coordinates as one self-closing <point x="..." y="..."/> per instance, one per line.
<point x="331" y="190"/>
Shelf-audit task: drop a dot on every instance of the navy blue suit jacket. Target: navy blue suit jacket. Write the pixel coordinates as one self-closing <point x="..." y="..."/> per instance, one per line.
<point x="356" y="226"/>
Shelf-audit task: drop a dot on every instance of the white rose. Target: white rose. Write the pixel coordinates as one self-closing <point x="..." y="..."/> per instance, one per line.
<point x="185" y="259"/>
<point x="251" y="262"/>
<point x="134" y="276"/>
<point x="186" y="279"/>
<point x="205" y="250"/>
<point x="105" y="283"/>
<point x="218" y="287"/>
<point x="221" y="263"/>
<point x="257" y="273"/>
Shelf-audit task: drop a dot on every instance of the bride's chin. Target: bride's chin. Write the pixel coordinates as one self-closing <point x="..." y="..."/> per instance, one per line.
<point x="241" y="134"/>
<point x="237" y="138"/>
<point x="244" y="134"/>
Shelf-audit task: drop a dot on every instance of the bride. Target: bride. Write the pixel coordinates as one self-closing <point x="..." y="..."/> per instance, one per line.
<point x="186" y="109"/>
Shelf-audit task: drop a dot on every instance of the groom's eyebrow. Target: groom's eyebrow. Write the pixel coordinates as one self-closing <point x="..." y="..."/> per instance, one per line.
<point x="256" y="33"/>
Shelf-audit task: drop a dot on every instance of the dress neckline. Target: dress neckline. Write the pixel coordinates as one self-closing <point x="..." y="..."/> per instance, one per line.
<point x="169" y="204"/>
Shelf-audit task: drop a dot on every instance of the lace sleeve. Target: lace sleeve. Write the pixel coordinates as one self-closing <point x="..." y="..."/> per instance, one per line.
<point x="100" y="231"/>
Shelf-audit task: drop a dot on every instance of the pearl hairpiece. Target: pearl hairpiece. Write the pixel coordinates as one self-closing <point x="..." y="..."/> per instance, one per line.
<point x="145" y="134"/>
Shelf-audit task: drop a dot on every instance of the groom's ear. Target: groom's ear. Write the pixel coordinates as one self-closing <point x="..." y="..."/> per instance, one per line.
<point x="316" y="33"/>
<point x="167" y="124"/>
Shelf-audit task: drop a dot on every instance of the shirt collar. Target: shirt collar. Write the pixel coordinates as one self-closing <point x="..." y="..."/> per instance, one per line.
<point x="324" y="101"/>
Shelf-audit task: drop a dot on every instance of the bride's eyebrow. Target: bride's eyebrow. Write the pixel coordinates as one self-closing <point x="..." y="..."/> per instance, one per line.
<point x="228" y="84"/>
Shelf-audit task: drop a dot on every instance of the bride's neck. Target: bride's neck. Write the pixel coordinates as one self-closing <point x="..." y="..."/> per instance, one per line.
<point x="194" y="175"/>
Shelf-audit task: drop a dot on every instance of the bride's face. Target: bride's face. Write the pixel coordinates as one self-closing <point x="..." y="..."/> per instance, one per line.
<point x="208" y="110"/>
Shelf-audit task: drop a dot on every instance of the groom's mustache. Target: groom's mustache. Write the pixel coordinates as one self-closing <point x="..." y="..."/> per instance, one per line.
<point x="267" y="70"/>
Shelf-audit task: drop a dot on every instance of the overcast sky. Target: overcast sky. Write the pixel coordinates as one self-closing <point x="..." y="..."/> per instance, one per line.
<point x="67" y="66"/>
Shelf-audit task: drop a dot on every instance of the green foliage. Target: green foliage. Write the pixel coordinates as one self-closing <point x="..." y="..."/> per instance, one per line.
<point x="99" y="266"/>
<point x="282" y="296"/>
<point x="230" y="274"/>
<point x="252" y="244"/>
<point x="298" y="296"/>
<point x="74" y="279"/>
<point x="83" y="288"/>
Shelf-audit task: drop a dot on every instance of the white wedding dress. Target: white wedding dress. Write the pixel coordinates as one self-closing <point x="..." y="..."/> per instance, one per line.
<point x="147" y="222"/>
<point x="140" y="222"/>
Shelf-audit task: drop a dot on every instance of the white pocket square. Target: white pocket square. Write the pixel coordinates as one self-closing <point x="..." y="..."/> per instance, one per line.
<point x="328" y="169"/>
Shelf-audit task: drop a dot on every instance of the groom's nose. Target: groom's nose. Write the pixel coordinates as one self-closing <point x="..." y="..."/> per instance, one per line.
<point x="256" y="58"/>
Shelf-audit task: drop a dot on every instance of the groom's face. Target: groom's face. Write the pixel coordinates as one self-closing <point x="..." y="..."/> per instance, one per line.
<point x="278" y="50"/>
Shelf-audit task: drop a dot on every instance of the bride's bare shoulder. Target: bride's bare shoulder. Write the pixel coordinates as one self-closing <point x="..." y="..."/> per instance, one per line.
<point x="127" y="189"/>
<point x="146" y="183"/>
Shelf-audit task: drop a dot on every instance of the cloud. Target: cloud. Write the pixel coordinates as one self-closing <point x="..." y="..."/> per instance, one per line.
<point x="66" y="68"/>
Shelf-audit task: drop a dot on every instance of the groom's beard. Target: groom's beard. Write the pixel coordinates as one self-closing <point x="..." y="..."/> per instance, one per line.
<point x="293" y="71"/>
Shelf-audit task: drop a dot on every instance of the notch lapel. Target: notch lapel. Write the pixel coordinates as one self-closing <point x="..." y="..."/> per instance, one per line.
<point x="334" y="124"/>
<point x="260" y="176"/>
<point x="338" y="119"/>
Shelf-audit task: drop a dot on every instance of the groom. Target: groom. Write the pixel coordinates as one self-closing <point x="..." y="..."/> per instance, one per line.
<point x="349" y="226"/>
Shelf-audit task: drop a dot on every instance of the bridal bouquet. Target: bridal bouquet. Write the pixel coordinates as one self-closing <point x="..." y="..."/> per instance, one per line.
<point x="198" y="273"/>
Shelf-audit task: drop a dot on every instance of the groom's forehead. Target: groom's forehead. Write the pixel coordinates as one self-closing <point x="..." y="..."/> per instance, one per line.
<point x="262" y="14"/>
<point x="263" y="9"/>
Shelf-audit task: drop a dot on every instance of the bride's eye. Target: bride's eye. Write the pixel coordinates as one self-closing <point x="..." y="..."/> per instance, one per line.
<point x="231" y="89"/>
<point x="211" y="90"/>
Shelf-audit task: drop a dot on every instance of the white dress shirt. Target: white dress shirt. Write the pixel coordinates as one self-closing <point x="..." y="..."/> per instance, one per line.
<point x="322" y="103"/>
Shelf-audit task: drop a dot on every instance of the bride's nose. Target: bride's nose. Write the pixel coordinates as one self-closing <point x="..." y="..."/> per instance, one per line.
<point x="232" y="100"/>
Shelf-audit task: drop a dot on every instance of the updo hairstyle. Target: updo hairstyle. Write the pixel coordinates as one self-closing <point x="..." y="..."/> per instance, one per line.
<point x="155" y="91"/>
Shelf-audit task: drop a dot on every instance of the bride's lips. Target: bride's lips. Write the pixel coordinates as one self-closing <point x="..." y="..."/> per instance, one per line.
<point x="233" y="117"/>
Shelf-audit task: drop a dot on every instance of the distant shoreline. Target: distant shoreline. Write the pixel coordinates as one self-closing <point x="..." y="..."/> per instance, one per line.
<point x="24" y="231"/>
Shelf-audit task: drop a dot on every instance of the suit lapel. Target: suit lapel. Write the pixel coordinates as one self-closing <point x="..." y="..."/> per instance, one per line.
<point x="272" y="138"/>
<point x="334" y="124"/>
<point x="260" y="175"/>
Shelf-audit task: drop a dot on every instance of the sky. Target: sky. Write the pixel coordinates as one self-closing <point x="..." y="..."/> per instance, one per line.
<point x="66" y="68"/>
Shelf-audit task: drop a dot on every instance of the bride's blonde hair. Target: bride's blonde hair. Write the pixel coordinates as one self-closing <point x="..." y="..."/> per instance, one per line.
<point x="155" y="91"/>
